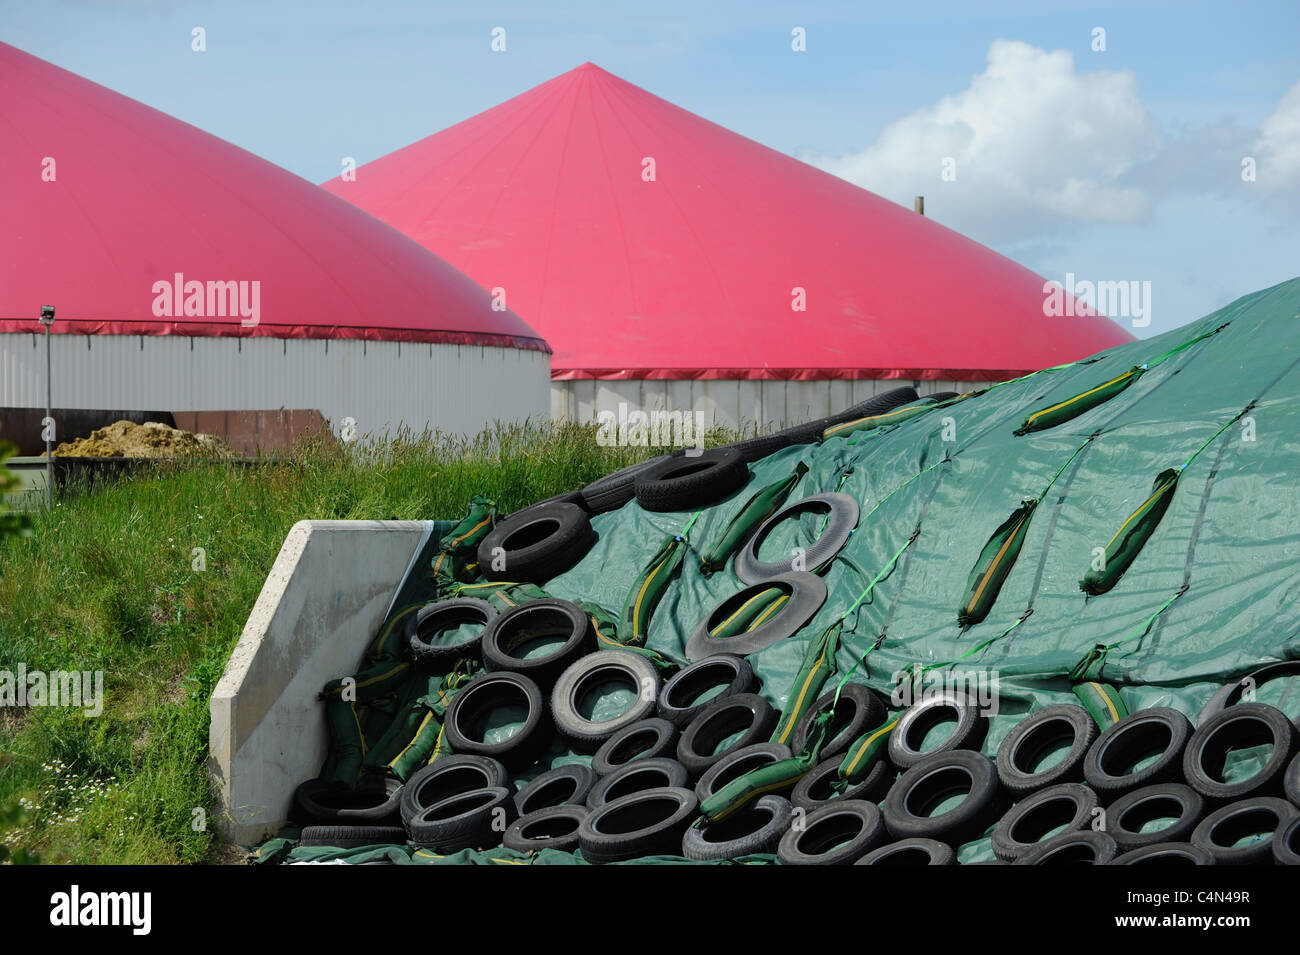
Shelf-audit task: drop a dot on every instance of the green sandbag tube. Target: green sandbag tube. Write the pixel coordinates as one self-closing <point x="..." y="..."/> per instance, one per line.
<point x="457" y="548"/>
<point x="1070" y="408"/>
<point x="759" y="608"/>
<point x="372" y="682"/>
<point x="649" y="588"/>
<point x="390" y="643"/>
<point x="871" y="422"/>
<point x="428" y="736"/>
<point x="773" y="777"/>
<point x="347" y="746"/>
<point x="867" y="750"/>
<point x="757" y="509"/>
<point x="1132" y="535"/>
<point x="994" y="564"/>
<point x="818" y="665"/>
<point x="1101" y="700"/>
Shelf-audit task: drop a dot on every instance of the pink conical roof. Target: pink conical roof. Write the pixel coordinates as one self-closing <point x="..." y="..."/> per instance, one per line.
<point x="137" y="197"/>
<point x="691" y="272"/>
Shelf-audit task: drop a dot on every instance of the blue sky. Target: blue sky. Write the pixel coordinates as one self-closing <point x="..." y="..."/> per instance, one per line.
<point x="1122" y="164"/>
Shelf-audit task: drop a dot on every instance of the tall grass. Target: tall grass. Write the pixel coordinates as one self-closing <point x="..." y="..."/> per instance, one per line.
<point x="107" y="581"/>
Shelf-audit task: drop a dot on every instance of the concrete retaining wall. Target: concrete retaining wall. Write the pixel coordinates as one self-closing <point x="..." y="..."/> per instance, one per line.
<point x="330" y="588"/>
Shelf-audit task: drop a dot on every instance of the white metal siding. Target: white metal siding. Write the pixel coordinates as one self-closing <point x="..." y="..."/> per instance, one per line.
<point x="383" y="385"/>
<point x="731" y="403"/>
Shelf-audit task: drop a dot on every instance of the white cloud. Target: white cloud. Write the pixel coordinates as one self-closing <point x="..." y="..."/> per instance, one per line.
<point x="1278" y="145"/>
<point x="1036" y="144"/>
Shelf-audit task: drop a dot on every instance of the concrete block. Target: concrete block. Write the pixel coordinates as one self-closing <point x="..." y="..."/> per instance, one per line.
<point x="327" y="593"/>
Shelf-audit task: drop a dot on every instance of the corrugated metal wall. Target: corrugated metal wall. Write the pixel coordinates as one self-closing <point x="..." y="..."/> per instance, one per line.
<point x="382" y="385"/>
<point x="727" y="402"/>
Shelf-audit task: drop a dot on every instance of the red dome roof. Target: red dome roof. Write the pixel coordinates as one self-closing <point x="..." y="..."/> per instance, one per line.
<point x="692" y="274"/>
<point x="138" y="197"/>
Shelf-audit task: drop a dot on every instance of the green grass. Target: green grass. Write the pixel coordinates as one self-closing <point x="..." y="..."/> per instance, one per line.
<point x="105" y="582"/>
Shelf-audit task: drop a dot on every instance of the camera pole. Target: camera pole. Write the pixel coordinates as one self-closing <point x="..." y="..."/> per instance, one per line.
<point x="47" y="319"/>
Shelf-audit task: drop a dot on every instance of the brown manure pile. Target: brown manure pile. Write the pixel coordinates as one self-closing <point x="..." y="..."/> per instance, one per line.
<point x="126" y="439"/>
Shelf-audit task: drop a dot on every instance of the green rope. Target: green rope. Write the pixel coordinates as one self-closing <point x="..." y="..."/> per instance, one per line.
<point x="861" y="597"/>
<point x="976" y="649"/>
<point x="1187" y="344"/>
<point x="1061" y="469"/>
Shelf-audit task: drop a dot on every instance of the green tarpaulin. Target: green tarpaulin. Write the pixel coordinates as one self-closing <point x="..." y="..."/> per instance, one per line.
<point x="1224" y="409"/>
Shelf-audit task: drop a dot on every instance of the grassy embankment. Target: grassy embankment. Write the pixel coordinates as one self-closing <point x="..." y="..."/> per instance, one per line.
<point x="105" y="582"/>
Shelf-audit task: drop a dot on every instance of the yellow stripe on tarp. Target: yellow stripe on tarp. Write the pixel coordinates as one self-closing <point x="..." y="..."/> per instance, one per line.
<point x="1085" y="394"/>
<point x="997" y="559"/>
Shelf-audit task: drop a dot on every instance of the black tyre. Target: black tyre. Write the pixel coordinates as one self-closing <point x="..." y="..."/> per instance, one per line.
<point x="555" y="827"/>
<point x="1024" y="759"/>
<point x="612" y="491"/>
<point x="571" y="700"/>
<point x="970" y="726"/>
<point x="645" y="739"/>
<point x="472" y="820"/>
<point x="688" y="482"/>
<point x="636" y="777"/>
<point x="642" y="824"/>
<point x="842" y="511"/>
<point x="536" y="544"/>
<point x="1152" y="740"/>
<point x="839" y="833"/>
<point x="492" y="697"/>
<point x="758" y="828"/>
<point x="1166" y="854"/>
<point x="1239" y="727"/>
<point x="857" y="710"/>
<point x="561" y="786"/>
<point x="1230" y="693"/>
<point x="352" y="837"/>
<point x="316" y="803"/>
<point x="1037" y="818"/>
<point x="1072" y="848"/>
<point x="747" y="714"/>
<point x="911" y="852"/>
<point x="539" y="639"/>
<point x="687" y="694"/>
<point x="463" y="619"/>
<point x="449" y="776"/>
<point x="807" y="593"/>
<point x="568" y="497"/>
<point x="757" y="448"/>
<point x="932" y="782"/>
<point x="816" y="788"/>
<point x="739" y="762"/>
<point x="877" y="404"/>
<point x="1242" y="833"/>
<point x="1286" y="843"/>
<point x="1291" y="782"/>
<point x="1129" y="818"/>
